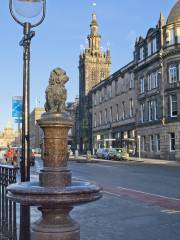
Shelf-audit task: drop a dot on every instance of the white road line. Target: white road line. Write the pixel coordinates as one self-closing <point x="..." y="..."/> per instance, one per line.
<point x="151" y="194"/>
<point x="110" y="193"/>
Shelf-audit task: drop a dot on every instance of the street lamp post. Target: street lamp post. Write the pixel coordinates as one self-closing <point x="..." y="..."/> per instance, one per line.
<point x="26" y="9"/>
<point x="20" y="10"/>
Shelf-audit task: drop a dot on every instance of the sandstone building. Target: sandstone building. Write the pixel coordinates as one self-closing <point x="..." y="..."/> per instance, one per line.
<point x="140" y="101"/>
<point x="36" y="134"/>
<point x="8" y="136"/>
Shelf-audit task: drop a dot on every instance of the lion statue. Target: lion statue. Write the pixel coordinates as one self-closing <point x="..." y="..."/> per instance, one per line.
<point x="56" y="93"/>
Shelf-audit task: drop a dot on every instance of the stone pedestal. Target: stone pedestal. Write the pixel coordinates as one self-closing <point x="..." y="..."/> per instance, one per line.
<point x="56" y="193"/>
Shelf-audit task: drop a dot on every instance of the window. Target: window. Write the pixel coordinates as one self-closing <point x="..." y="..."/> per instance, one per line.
<point x="95" y="122"/>
<point x="156" y="79"/>
<point x="105" y="93"/>
<point x="152" y="80"/>
<point x="151" y="143"/>
<point x="152" y="110"/>
<point x="100" y="97"/>
<point x="131" y="81"/>
<point x="117" y="112"/>
<point x="116" y="87"/>
<point x="172" y="73"/>
<point x="154" y="43"/>
<point x="141" y="53"/>
<point x="178" y="34"/>
<point x="102" y="75"/>
<point x="149" y="111"/>
<point x="149" y="48"/>
<point x="171" y="35"/>
<point x="95" y="102"/>
<point x="172" y="142"/>
<point x="157" y="142"/>
<point x="142" y="113"/>
<point x="142" y="85"/>
<point x="100" y="118"/>
<point x="173" y="105"/>
<point x="105" y="116"/>
<point x="170" y="38"/>
<point x="149" y="81"/>
<point x="110" y="114"/>
<point x="131" y="108"/>
<point x="123" y="108"/>
<point x="110" y="91"/>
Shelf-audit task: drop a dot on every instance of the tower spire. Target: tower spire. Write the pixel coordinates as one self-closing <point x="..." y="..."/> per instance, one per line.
<point x="161" y="22"/>
<point x="94" y="38"/>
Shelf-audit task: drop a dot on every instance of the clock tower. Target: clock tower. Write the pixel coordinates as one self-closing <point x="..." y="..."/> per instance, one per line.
<point x="94" y="67"/>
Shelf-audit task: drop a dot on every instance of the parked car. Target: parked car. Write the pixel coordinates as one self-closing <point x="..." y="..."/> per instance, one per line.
<point x="112" y="153"/>
<point x="121" y="154"/>
<point x="102" y="153"/>
<point x="105" y="154"/>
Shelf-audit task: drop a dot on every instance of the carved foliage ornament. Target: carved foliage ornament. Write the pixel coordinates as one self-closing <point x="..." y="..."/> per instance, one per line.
<point x="56" y="93"/>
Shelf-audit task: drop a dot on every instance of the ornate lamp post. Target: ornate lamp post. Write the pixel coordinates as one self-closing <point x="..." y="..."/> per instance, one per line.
<point x="22" y="10"/>
<point x="26" y="9"/>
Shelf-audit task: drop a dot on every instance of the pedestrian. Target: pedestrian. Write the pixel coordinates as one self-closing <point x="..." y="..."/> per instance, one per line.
<point x="15" y="156"/>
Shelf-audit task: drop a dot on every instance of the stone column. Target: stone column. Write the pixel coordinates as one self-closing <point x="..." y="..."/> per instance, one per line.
<point x="56" y="223"/>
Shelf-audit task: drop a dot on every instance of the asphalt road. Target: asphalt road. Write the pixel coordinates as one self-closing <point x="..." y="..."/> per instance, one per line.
<point x="140" y="202"/>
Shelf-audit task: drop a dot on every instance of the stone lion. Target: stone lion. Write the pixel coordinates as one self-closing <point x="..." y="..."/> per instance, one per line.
<point x="56" y="93"/>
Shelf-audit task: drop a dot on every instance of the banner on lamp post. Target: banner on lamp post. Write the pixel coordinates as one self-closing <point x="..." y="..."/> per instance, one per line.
<point x="17" y="106"/>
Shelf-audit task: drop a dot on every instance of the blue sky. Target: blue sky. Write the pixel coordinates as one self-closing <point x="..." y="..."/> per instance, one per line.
<point x="58" y="39"/>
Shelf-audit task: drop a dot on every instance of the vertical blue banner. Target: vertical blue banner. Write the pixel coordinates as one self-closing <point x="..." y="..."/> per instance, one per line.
<point x="17" y="106"/>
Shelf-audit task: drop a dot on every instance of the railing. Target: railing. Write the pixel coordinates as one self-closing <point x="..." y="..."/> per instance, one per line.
<point x="8" y="229"/>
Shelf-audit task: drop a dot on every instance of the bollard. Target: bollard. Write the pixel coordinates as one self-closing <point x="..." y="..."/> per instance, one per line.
<point x="56" y="193"/>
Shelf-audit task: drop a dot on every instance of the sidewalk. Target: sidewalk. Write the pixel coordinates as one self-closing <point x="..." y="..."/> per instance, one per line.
<point x="131" y="160"/>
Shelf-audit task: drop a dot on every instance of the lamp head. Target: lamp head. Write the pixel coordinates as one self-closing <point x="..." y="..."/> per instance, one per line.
<point x="28" y="8"/>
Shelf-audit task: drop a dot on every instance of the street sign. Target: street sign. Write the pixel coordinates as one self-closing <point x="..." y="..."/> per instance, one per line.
<point x="17" y="105"/>
<point x="18" y="120"/>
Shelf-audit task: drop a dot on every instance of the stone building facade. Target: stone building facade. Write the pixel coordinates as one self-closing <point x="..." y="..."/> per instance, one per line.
<point x="71" y="107"/>
<point x="36" y="134"/>
<point x="8" y="136"/>
<point x="94" y="67"/>
<point x="114" y="105"/>
<point x="140" y="101"/>
<point x="158" y="79"/>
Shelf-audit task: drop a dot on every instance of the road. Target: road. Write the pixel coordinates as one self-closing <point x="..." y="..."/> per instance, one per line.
<point x="140" y="202"/>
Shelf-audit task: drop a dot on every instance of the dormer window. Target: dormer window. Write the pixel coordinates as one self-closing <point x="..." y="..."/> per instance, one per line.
<point x="178" y="34"/>
<point x="149" y="48"/>
<point x="170" y="37"/>
<point x="141" y="53"/>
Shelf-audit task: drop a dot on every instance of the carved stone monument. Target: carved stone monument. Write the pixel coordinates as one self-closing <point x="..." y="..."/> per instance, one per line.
<point x="56" y="192"/>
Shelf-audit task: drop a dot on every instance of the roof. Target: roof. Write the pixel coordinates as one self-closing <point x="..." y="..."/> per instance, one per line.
<point x="174" y="15"/>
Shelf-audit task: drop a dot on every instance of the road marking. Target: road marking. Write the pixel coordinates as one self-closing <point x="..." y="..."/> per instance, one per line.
<point x="151" y="194"/>
<point x="169" y="203"/>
